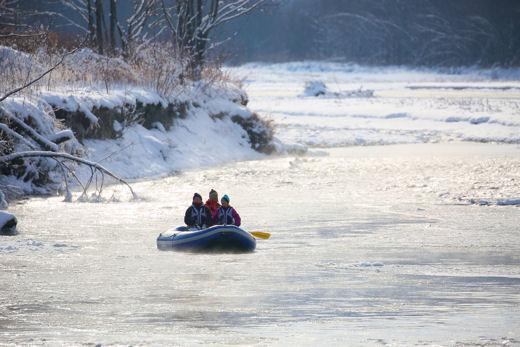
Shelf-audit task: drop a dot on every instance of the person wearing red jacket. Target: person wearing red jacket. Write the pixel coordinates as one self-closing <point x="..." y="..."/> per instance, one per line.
<point x="227" y="215"/>
<point x="213" y="204"/>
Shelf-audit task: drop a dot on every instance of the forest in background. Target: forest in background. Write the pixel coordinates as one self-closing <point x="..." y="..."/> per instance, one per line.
<point x="380" y="32"/>
<point x="374" y="32"/>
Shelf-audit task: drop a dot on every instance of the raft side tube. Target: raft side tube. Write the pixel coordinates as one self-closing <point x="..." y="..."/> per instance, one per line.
<point x="218" y="238"/>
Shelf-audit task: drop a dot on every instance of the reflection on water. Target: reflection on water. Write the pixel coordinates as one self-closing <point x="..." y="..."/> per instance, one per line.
<point x="364" y="251"/>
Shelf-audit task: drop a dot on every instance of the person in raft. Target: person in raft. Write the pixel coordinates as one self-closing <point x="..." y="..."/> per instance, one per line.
<point x="227" y="214"/>
<point x="213" y="204"/>
<point x="198" y="215"/>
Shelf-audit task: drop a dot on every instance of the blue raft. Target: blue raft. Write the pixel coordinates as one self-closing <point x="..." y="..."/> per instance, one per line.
<point x="218" y="238"/>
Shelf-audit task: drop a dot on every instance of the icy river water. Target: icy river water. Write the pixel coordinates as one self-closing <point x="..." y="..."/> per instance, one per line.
<point x="409" y="243"/>
<point x="370" y="246"/>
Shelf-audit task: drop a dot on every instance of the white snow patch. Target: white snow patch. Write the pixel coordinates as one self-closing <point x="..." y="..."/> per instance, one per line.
<point x="159" y="126"/>
<point x="197" y="141"/>
<point x="117" y="126"/>
<point x="3" y="201"/>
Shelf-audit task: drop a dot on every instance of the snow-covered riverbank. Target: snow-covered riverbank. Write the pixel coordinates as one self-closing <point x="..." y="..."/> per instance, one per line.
<point x="206" y="134"/>
<point x="133" y="132"/>
<point x="111" y="113"/>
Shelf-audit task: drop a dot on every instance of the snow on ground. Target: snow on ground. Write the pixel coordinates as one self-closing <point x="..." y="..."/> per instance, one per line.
<point x="196" y="141"/>
<point x="88" y="82"/>
<point x="408" y="106"/>
<point x="358" y="106"/>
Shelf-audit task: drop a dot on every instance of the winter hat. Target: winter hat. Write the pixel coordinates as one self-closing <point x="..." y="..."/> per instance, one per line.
<point x="213" y="194"/>
<point x="225" y="197"/>
<point x="197" y="195"/>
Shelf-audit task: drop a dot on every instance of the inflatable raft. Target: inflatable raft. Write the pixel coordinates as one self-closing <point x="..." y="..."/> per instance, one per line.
<point x="218" y="238"/>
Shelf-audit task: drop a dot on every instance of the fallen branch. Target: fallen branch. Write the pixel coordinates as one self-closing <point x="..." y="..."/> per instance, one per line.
<point x="33" y="134"/>
<point x="54" y="155"/>
<point x="13" y="134"/>
<point x="12" y="35"/>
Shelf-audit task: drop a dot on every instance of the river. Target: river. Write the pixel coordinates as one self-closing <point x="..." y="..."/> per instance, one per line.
<point x="370" y="245"/>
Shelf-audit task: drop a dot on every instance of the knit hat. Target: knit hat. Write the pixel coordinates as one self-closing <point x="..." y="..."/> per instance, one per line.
<point x="225" y="197"/>
<point x="197" y="195"/>
<point x="213" y="193"/>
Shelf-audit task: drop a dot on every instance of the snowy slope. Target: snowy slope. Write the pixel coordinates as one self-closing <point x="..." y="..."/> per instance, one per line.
<point x="203" y="135"/>
<point x="197" y="141"/>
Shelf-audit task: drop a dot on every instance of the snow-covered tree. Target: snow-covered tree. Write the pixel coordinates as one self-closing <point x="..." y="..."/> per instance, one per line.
<point x="191" y="22"/>
<point x="125" y="33"/>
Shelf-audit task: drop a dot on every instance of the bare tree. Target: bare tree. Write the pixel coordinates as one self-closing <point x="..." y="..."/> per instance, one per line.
<point x="191" y="22"/>
<point x="128" y="32"/>
<point x="90" y="21"/>
<point x="113" y="25"/>
<point x="133" y="30"/>
<point x="85" y="10"/>
<point x="8" y="21"/>
<point x="100" y="18"/>
<point x="14" y="22"/>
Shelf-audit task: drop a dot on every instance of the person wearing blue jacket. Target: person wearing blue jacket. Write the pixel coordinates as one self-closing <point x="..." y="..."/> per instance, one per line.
<point x="198" y="215"/>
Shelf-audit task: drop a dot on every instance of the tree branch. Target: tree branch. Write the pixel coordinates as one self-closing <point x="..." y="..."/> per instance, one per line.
<point x="28" y="84"/>
<point x="47" y="154"/>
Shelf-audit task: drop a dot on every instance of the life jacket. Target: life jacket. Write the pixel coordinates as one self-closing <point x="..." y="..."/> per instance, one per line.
<point x="225" y="216"/>
<point x="198" y="214"/>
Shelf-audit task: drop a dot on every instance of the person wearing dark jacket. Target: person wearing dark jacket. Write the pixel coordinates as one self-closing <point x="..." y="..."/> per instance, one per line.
<point x="198" y="215"/>
<point x="227" y="215"/>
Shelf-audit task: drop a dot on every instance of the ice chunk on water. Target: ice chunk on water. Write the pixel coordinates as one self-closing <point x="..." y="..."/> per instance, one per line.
<point x="315" y="88"/>
<point x="370" y="264"/>
<point x="7" y="222"/>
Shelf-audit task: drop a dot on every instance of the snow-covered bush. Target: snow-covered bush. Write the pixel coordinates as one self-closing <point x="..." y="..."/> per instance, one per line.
<point x="87" y="68"/>
<point x="11" y="59"/>
<point x="160" y="68"/>
<point x="358" y="93"/>
<point x="319" y="88"/>
<point x="314" y="88"/>
<point x="16" y="66"/>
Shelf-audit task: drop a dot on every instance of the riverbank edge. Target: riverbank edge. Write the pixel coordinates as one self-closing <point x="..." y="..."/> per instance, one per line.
<point x="91" y="118"/>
